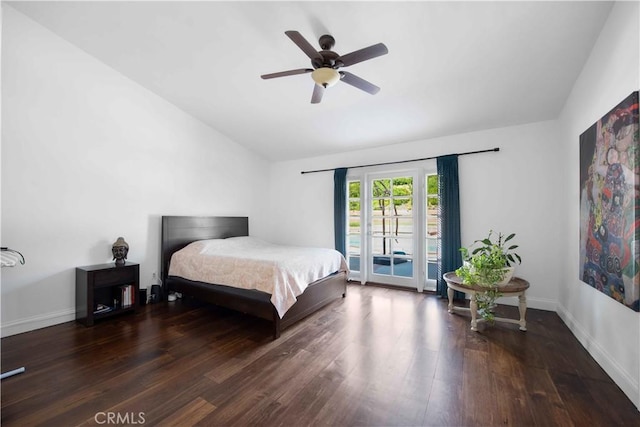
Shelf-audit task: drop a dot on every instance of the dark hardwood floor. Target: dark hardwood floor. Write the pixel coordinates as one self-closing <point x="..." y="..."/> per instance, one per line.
<point x="379" y="357"/>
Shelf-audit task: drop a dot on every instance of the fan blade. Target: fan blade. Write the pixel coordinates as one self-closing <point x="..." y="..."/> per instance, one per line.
<point x="318" y="91"/>
<point x="287" y="73"/>
<point x="358" y="82"/>
<point x="303" y="44"/>
<point x="363" y="54"/>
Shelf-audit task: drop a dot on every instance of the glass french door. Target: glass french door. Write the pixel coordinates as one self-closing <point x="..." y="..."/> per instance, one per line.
<point x="392" y="233"/>
<point x="393" y="214"/>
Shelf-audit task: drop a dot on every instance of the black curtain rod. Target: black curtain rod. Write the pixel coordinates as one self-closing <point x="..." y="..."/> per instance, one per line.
<point x="402" y="161"/>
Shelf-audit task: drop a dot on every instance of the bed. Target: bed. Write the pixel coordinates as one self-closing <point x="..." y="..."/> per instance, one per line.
<point x="178" y="232"/>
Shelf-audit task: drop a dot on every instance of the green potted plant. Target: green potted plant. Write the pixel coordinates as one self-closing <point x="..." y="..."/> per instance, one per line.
<point x="489" y="263"/>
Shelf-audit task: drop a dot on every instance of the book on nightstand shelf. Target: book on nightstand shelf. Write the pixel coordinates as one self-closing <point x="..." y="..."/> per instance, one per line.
<point x="127" y="297"/>
<point x="101" y="308"/>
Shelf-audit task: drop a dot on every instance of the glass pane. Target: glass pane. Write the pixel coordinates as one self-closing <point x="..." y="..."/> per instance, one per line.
<point x="380" y="245"/>
<point x="432" y="226"/>
<point x="381" y="268"/>
<point x="354" y="262"/>
<point x="402" y="226"/>
<point x="432" y="184"/>
<point x="403" y="206"/>
<point x="402" y="267"/>
<point x="432" y="249"/>
<point x="354" y="244"/>
<point x="393" y="265"/>
<point x="354" y="189"/>
<point x="432" y="205"/>
<point x="381" y="188"/>
<point x="381" y="226"/>
<point x="432" y="271"/>
<point x="402" y="247"/>
<point x="403" y="186"/>
<point x="354" y="207"/>
<point x="382" y="207"/>
<point x="354" y="224"/>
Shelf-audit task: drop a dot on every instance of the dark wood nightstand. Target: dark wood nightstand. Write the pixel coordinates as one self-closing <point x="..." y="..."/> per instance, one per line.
<point x="106" y="290"/>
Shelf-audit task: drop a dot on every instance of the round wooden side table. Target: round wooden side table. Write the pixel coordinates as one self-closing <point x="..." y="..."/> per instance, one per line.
<point x="517" y="287"/>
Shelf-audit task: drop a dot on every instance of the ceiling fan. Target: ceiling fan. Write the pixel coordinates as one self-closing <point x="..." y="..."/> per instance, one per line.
<point x="326" y="63"/>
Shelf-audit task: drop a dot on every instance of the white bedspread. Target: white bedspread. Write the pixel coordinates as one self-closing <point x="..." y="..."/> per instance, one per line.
<point x="250" y="263"/>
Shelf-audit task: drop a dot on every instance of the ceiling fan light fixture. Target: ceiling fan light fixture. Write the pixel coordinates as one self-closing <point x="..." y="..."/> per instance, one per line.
<point x="325" y="76"/>
<point x="326" y="63"/>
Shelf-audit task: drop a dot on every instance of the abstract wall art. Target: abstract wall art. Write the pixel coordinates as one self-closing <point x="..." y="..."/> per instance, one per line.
<point x="610" y="204"/>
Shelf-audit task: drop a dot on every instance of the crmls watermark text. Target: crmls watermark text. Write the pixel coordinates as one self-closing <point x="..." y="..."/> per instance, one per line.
<point x="129" y="418"/>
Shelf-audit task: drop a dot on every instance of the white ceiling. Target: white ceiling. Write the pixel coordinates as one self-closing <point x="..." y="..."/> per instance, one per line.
<point x="452" y="67"/>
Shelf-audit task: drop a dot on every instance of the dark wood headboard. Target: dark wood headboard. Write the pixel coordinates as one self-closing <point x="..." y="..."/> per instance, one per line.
<point x="179" y="231"/>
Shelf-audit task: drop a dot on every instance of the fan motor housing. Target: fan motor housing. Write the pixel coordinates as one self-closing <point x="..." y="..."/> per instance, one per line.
<point x="328" y="59"/>
<point x="328" y="56"/>
<point x="326" y="42"/>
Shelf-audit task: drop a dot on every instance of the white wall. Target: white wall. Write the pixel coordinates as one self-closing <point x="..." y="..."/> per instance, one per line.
<point x="607" y="329"/>
<point x="513" y="190"/>
<point x="87" y="156"/>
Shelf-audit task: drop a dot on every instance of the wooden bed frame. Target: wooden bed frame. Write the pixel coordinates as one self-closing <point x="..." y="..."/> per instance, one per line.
<point x="179" y="231"/>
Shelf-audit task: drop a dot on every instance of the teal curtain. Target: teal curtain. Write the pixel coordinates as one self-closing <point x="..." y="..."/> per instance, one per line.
<point x="340" y="209"/>
<point x="449" y="254"/>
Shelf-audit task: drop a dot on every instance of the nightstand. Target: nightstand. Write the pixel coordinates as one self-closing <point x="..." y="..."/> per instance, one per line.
<point x="106" y="290"/>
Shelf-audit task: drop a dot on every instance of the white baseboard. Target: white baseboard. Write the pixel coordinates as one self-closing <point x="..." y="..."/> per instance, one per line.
<point x="36" y="322"/>
<point x="626" y="382"/>
<point x="532" y="302"/>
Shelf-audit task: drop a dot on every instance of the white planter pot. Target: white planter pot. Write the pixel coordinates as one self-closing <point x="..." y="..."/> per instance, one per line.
<point x="508" y="274"/>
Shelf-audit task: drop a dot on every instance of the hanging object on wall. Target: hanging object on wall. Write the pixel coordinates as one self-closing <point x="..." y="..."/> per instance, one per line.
<point x="11" y="257"/>
<point x="609" y="199"/>
<point x="120" y="249"/>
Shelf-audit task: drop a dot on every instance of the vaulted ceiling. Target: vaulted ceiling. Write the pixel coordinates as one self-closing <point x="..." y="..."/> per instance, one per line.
<point x="452" y="67"/>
